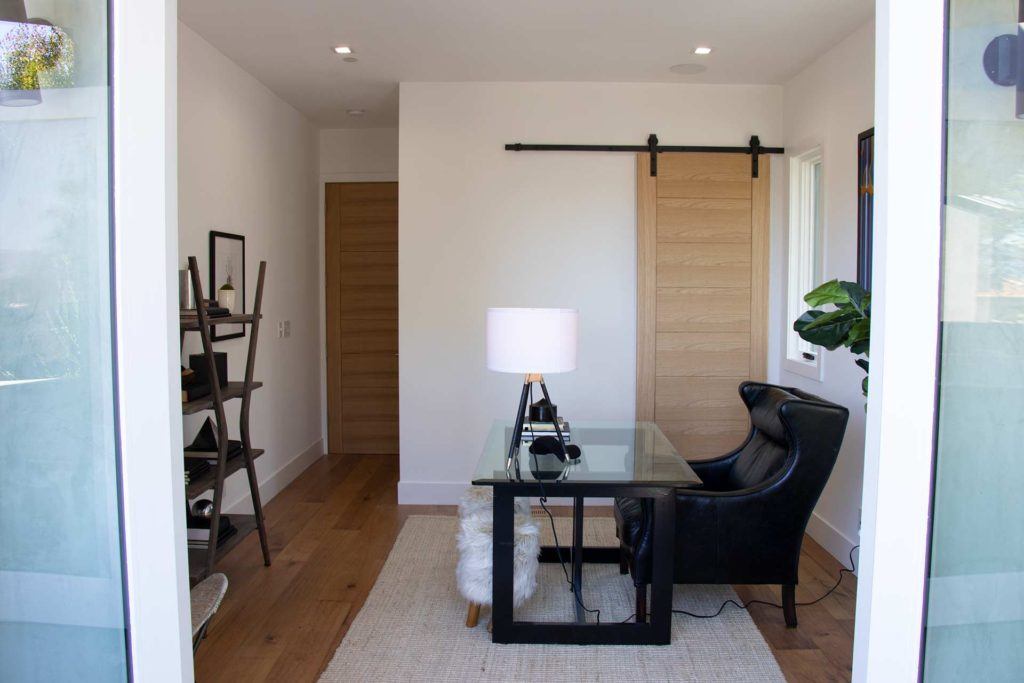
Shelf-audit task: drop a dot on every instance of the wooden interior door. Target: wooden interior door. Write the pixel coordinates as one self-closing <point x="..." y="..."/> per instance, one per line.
<point x="702" y="295"/>
<point x="361" y="244"/>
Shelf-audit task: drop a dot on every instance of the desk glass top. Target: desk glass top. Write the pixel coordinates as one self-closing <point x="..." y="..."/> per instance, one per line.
<point x="613" y="452"/>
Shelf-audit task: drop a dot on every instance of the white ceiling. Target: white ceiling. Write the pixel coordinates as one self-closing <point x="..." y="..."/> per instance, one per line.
<point x="287" y="44"/>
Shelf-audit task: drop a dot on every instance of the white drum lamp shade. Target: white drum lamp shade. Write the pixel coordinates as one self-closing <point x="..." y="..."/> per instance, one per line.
<point x="532" y="340"/>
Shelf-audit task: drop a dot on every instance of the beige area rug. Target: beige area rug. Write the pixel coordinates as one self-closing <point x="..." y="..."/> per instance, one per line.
<point x="412" y="627"/>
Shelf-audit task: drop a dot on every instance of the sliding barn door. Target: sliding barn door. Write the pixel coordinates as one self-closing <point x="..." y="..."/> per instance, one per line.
<point x="702" y="295"/>
<point x="361" y="258"/>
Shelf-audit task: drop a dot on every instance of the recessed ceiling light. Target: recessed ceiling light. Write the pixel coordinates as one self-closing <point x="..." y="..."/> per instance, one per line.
<point x="688" y="69"/>
<point x="343" y="50"/>
<point x="355" y="112"/>
<point x="702" y="50"/>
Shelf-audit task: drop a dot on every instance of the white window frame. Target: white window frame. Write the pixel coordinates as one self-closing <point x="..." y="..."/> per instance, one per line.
<point x="805" y="239"/>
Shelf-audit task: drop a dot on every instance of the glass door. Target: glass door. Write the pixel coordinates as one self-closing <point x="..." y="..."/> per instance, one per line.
<point x="62" y="603"/>
<point x="974" y="624"/>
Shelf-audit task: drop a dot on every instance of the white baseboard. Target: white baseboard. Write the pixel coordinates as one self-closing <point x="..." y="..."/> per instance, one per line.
<point x="431" y="492"/>
<point x="831" y="539"/>
<point x="276" y="482"/>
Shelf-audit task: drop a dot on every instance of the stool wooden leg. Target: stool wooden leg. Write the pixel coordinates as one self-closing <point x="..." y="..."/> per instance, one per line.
<point x="473" y="616"/>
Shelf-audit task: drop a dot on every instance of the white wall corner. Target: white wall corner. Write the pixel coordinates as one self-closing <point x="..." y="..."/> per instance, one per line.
<point x="909" y="115"/>
<point x="143" y="44"/>
<point x="838" y="544"/>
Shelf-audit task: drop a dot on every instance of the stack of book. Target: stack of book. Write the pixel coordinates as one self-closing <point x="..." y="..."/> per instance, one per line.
<point x="213" y="310"/>
<point x="532" y="430"/>
<point x="198" y="532"/>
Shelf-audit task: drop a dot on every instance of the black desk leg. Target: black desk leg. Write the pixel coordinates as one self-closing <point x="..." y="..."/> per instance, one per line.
<point x="502" y="556"/>
<point x="577" y="557"/>
<point x="661" y="581"/>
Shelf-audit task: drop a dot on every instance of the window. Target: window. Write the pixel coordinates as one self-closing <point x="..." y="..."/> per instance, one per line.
<point x="806" y="222"/>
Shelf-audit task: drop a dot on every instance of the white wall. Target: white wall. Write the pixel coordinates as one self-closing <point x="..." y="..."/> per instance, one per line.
<point x="483" y="227"/>
<point x="827" y="105"/>
<point x="247" y="165"/>
<point x="357" y="153"/>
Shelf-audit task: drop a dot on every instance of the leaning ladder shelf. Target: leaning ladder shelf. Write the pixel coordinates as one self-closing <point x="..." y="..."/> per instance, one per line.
<point x="201" y="560"/>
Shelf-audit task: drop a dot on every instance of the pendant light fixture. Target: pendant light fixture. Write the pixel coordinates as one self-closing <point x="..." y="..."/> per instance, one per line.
<point x="14" y="11"/>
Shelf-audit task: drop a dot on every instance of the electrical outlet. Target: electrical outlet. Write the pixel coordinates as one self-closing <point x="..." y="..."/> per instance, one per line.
<point x="287" y="328"/>
<point x="280" y="330"/>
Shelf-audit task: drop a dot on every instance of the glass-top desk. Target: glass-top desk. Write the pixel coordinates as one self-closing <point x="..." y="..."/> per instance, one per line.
<point x="632" y="459"/>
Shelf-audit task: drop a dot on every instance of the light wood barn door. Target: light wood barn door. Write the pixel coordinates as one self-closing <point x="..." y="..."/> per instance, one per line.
<point x="702" y="295"/>
<point x="361" y="258"/>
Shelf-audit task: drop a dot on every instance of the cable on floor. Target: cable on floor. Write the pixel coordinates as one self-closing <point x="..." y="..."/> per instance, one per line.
<point x="745" y="605"/>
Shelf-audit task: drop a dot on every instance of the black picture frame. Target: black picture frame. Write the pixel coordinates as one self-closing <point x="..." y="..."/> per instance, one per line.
<point x="223" y="243"/>
<point x="865" y="205"/>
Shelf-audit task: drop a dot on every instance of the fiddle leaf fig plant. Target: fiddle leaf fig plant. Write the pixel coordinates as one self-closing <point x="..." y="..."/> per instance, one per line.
<point x="847" y="324"/>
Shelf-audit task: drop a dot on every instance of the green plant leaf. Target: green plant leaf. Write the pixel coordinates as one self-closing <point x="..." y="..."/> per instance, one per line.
<point x="860" y="332"/>
<point x="825" y="329"/>
<point x="862" y="364"/>
<point x="829" y="317"/>
<point x="830" y="292"/>
<point x="864" y="386"/>
<point x="856" y="295"/>
<point x="861" y="346"/>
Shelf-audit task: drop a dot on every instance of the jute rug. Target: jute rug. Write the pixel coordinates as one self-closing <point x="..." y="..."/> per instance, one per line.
<point x="412" y="627"/>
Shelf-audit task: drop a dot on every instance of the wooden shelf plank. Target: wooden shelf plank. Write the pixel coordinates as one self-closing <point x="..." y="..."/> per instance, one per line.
<point x="245" y="524"/>
<point x="205" y="481"/>
<point x="232" y="390"/>
<point x="191" y="322"/>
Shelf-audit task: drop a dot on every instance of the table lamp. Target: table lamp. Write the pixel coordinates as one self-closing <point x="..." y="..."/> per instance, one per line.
<point x="531" y="342"/>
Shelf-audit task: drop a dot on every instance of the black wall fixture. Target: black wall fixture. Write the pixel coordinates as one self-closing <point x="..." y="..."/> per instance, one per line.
<point x="1004" y="60"/>
<point x="754" y="149"/>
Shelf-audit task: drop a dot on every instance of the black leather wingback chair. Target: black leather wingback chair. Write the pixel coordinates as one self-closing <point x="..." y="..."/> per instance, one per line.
<point x="746" y="523"/>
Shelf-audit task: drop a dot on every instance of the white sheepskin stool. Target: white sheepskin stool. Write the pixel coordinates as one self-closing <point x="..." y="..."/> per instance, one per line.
<point x="476" y="540"/>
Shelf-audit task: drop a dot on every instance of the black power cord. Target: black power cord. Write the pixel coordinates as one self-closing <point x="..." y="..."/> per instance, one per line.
<point x="558" y="547"/>
<point x="745" y="605"/>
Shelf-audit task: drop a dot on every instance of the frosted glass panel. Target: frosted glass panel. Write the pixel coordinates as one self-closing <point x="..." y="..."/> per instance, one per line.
<point x="975" y="615"/>
<point x="61" y="599"/>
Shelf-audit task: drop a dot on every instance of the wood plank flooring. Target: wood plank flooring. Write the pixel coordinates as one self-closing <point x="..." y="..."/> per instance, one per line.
<point x="330" y="533"/>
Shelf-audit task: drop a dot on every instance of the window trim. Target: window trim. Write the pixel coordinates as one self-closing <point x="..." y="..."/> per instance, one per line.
<point x="801" y="226"/>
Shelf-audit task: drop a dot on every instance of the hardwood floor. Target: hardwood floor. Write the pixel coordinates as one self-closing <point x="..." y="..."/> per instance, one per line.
<point x="330" y="532"/>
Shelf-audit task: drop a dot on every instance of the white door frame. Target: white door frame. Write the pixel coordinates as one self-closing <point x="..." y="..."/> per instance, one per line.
<point x="909" y="92"/>
<point x="145" y="211"/>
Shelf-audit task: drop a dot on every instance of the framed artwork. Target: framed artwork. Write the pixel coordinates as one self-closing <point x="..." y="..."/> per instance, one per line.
<point x="865" y="205"/>
<point x="227" y="280"/>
